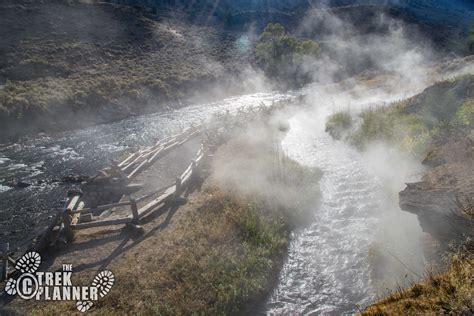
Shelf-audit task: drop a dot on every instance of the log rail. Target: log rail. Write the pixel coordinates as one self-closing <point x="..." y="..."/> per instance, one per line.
<point x="77" y="216"/>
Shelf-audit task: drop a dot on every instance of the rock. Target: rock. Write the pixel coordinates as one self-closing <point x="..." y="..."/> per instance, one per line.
<point x="71" y="178"/>
<point x="21" y="184"/>
<point x="435" y="199"/>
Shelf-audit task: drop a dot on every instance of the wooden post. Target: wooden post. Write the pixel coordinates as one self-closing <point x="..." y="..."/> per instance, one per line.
<point x="177" y="192"/>
<point x="196" y="171"/>
<point x="66" y="217"/>
<point x="44" y="240"/>
<point x="4" y="248"/>
<point x="133" y="205"/>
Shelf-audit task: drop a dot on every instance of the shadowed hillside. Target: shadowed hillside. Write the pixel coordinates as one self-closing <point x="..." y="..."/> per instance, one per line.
<point x="101" y="62"/>
<point x="71" y="64"/>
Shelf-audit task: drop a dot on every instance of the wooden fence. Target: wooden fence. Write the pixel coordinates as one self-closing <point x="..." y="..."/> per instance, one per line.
<point x="76" y="216"/>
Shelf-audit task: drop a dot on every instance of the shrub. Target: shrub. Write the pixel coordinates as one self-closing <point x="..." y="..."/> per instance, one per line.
<point x="282" y="54"/>
<point x="390" y="124"/>
<point x="465" y="113"/>
<point x="339" y="123"/>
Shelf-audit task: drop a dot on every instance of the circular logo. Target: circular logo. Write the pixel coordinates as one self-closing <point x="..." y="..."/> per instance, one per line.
<point x="27" y="286"/>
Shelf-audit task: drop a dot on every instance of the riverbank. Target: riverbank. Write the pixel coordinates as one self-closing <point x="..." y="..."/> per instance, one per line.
<point x="449" y="292"/>
<point x="435" y="127"/>
<point x="218" y="253"/>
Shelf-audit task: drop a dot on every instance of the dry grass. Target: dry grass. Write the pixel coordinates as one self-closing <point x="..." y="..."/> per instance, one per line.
<point x="122" y="61"/>
<point x="451" y="292"/>
<point x="222" y="252"/>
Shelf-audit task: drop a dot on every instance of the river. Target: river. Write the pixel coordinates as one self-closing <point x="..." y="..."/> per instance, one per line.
<point x="45" y="159"/>
<point x="328" y="268"/>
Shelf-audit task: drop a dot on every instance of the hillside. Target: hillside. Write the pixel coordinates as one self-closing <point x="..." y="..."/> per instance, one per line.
<point x="64" y="66"/>
<point x="72" y="64"/>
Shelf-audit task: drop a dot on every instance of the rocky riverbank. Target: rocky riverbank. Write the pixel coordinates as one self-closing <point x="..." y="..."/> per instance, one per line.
<point x="444" y="197"/>
<point x="435" y="127"/>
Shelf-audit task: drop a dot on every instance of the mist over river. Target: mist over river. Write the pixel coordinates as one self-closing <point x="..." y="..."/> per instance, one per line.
<point x="328" y="268"/>
<point x="43" y="160"/>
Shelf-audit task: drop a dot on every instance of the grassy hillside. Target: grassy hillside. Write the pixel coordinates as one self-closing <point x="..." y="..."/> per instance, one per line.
<point x="101" y="62"/>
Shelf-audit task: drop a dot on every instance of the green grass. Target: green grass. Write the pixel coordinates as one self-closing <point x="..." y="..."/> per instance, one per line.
<point x="465" y="113"/>
<point x="413" y="123"/>
<point x="339" y="123"/>
<point x="393" y="126"/>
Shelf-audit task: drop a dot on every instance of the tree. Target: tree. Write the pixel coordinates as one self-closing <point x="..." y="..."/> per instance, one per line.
<point x="281" y="53"/>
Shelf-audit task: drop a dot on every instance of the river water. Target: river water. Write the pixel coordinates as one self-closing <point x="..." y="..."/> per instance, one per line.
<point x="44" y="159"/>
<point x="327" y="269"/>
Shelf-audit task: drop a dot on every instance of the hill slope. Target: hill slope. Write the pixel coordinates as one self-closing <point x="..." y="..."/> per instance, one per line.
<point x="100" y="62"/>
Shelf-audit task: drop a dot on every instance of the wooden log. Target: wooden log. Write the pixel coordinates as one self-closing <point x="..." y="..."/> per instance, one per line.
<point x="156" y="155"/>
<point x="152" y="152"/>
<point x="131" y="164"/>
<point x="4" y="249"/>
<point x="109" y="222"/>
<point x="148" y="195"/>
<point x="154" y="204"/>
<point x="103" y="207"/>
<point x="178" y="188"/>
<point x="11" y="261"/>
<point x="138" y="169"/>
<point x="128" y="159"/>
<point x="133" y="206"/>
<point x="186" y="172"/>
<point x="72" y="202"/>
<point x="66" y="230"/>
<point x="161" y="148"/>
<point x="77" y="213"/>
<point x="185" y="179"/>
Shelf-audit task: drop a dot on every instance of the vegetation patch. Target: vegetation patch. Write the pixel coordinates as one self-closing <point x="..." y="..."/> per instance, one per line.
<point x="338" y="124"/>
<point x="450" y="292"/>
<point x="411" y="124"/>
<point x="391" y="125"/>
<point x="465" y="113"/>
<point x="283" y="55"/>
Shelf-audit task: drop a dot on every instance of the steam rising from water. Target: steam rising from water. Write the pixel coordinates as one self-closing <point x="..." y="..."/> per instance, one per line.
<point x="360" y="244"/>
